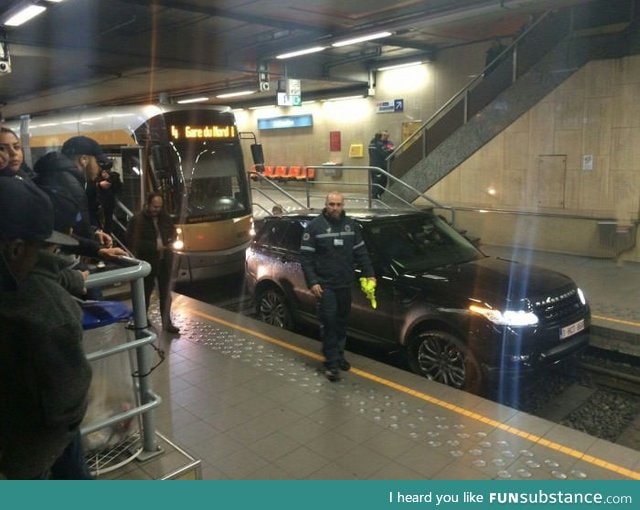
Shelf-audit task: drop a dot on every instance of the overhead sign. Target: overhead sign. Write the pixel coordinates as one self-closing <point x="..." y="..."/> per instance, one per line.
<point x="390" y="106"/>
<point x="292" y="95"/>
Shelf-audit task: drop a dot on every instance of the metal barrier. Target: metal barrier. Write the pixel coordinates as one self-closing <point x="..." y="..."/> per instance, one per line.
<point x="133" y="271"/>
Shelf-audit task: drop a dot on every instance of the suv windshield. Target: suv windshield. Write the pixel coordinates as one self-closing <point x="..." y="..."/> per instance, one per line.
<point x="420" y="242"/>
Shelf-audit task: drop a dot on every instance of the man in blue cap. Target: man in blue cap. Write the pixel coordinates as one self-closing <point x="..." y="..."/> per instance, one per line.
<point x="44" y="374"/>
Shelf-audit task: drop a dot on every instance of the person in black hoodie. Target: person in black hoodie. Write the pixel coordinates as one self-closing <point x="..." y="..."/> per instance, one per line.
<point x="55" y="170"/>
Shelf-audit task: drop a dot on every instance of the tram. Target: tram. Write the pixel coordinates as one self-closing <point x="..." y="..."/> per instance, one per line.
<point x="192" y="155"/>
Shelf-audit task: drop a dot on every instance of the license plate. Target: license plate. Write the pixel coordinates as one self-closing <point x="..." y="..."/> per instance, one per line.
<point x="572" y="329"/>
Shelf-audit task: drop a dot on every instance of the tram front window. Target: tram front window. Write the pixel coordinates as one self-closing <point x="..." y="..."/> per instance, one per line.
<point x="214" y="187"/>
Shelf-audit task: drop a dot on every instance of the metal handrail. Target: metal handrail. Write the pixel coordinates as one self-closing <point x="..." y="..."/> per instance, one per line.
<point x="133" y="271"/>
<point x="399" y="182"/>
<point x="463" y="91"/>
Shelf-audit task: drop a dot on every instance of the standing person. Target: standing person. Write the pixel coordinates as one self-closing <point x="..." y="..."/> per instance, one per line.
<point x="88" y="157"/>
<point x="331" y="244"/>
<point x="378" y="152"/>
<point x="149" y="236"/>
<point x="493" y="52"/>
<point x="109" y="185"/>
<point x="57" y="171"/>
<point x="44" y="374"/>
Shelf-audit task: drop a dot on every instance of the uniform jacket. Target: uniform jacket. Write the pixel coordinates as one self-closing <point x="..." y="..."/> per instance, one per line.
<point x="44" y="375"/>
<point x="329" y="250"/>
<point x="377" y="153"/>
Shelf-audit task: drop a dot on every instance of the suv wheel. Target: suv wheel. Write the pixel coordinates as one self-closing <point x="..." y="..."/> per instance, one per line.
<point x="441" y="357"/>
<point x="272" y="308"/>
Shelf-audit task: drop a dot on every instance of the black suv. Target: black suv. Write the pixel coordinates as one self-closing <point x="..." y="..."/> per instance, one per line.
<point x="463" y="318"/>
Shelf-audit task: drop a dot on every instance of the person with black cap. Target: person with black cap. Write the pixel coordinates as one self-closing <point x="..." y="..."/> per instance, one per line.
<point x="55" y="170"/>
<point x="55" y="262"/>
<point x="44" y="374"/>
<point x="88" y="157"/>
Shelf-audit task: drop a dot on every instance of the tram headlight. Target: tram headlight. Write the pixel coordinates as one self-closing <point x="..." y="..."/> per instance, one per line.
<point x="178" y="244"/>
<point x="507" y="317"/>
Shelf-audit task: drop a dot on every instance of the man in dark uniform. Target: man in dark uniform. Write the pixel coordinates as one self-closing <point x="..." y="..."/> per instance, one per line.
<point x="331" y="244"/>
<point x="379" y="148"/>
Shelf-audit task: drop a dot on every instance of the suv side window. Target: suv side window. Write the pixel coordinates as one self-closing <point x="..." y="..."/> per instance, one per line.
<point x="281" y="234"/>
<point x="269" y="236"/>
<point x="293" y="237"/>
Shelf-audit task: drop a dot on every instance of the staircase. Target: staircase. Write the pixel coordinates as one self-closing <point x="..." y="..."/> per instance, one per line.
<point x="544" y="56"/>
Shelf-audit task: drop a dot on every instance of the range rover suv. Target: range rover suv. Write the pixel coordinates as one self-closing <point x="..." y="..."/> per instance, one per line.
<point x="463" y="318"/>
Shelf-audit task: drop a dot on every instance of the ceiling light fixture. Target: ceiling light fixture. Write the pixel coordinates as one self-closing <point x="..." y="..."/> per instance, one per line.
<point x="236" y="94"/>
<point x="298" y="53"/>
<point x="362" y="38"/>
<point x="343" y="98"/>
<point x="200" y="99"/>
<point x="21" y="13"/>
<point x="398" y="66"/>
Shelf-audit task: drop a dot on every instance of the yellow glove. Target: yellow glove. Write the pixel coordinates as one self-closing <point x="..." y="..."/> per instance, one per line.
<point x="369" y="289"/>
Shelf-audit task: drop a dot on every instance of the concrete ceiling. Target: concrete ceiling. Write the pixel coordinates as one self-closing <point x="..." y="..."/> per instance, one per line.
<point x="103" y="52"/>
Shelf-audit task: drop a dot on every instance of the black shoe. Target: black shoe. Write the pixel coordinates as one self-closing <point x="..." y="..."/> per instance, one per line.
<point x="332" y="374"/>
<point x="170" y="328"/>
<point x="344" y="365"/>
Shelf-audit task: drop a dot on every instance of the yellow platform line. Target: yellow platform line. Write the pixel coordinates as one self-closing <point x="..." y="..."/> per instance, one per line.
<point x="617" y="321"/>
<point x="571" y="452"/>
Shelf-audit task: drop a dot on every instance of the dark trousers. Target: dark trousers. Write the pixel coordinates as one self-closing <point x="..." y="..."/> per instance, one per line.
<point x="71" y="465"/>
<point x="161" y="269"/>
<point x="333" y="312"/>
<point x="107" y="210"/>
<point x="378" y="184"/>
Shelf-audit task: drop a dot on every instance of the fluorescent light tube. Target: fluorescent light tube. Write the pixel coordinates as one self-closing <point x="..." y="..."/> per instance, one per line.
<point x="398" y="66"/>
<point x="236" y="94"/>
<point x="362" y="38"/>
<point x="306" y="51"/>
<point x="193" y="100"/>
<point x="24" y="15"/>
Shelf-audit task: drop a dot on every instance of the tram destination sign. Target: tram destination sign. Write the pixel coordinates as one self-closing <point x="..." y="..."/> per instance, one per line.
<point x="207" y="132"/>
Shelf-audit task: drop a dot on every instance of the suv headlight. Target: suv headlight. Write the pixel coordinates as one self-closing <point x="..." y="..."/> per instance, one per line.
<point x="507" y="317"/>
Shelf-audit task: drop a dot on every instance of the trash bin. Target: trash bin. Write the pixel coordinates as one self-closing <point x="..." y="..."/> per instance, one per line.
<point x="112" y="389"/>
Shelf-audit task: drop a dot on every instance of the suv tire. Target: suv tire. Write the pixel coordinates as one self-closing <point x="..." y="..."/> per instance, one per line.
<point x="441" y="357"/>
<point x="272" y="308"/>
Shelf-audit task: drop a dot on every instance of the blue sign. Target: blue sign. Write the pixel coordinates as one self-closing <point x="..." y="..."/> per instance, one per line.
<point x="289" y="121"/>
<point x="398" y="105"/>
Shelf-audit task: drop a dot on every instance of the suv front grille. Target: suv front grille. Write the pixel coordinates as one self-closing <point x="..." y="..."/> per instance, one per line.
<point x="553" y="309"/>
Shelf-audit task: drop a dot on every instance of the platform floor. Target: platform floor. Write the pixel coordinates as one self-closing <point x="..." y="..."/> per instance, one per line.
<point x="249" y="401"/>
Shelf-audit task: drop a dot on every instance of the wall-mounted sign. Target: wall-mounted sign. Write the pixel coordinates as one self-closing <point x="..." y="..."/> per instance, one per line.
<point x="390" y="106"/>
<point x="291" y="95"/>
<point x="288" y="121"/>
<point x="335" y="141"/>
